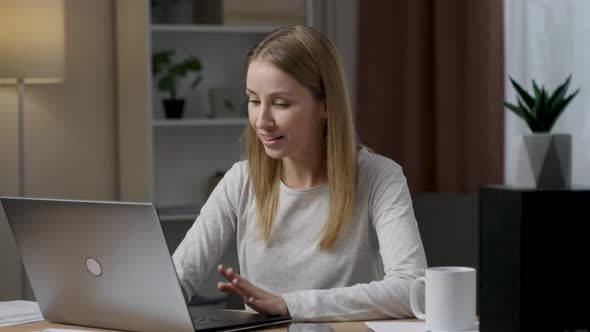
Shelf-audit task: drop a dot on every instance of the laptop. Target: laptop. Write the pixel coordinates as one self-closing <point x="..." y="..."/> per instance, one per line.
<point x="106" y="264"/>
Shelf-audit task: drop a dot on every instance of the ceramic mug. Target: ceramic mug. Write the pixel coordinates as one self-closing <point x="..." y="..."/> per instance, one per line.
<point x="449" y="299"/>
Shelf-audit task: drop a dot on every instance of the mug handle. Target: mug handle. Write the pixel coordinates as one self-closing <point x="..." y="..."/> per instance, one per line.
<point x="414" y="298"/>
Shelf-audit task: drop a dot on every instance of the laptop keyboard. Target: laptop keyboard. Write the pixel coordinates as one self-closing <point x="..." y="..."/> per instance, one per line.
<point x="208" y="320"/>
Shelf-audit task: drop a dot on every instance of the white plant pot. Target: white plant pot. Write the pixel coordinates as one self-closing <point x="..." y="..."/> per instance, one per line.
<point x="542" y="161"/>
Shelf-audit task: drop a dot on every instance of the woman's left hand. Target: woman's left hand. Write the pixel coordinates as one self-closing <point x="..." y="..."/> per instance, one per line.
<point x="257" y="298"/>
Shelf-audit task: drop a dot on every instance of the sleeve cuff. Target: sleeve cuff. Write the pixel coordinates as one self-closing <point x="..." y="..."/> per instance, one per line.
<point x="294" y="306"/>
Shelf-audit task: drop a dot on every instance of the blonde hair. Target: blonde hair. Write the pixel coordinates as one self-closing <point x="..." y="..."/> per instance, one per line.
<point x="311" y="59"/>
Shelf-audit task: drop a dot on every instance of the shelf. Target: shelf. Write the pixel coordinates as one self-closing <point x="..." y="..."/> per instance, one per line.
<point x="220" y="28"/>
<point x="161" y="123"/>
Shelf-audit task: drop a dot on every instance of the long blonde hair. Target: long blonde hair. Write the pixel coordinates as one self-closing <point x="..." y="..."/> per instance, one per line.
<point x="311" y="59"/>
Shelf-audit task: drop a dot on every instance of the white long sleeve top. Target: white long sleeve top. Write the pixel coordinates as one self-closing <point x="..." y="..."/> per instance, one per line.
<point x="368" y="273"/>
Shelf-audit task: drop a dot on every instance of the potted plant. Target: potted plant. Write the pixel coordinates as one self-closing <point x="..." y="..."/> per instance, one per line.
<point x="171" y="74"/>
<point x="543" y="159"/>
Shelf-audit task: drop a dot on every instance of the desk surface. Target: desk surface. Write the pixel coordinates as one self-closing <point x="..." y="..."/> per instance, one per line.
<point x="34" y="327"/>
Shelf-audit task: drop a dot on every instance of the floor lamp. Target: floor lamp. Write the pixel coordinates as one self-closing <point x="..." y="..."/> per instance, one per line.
<point x="32" y="51"/>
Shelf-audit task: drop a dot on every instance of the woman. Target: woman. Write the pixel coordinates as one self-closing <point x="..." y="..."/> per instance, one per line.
<point x="325" y="231"/>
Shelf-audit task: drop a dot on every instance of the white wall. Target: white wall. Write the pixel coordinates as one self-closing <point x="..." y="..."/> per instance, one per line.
<point x="546" y="40"/>
<point x="70" y="128"/>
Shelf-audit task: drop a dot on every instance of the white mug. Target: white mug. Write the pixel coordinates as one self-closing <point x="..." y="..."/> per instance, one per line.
<point x="450" y="299"/>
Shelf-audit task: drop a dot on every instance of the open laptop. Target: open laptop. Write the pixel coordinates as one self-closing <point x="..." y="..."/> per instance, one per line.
<point x="107" y="265"/>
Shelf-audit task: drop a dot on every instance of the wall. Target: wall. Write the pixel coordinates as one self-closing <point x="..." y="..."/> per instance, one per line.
<point x="133" y="99"/>
<point x="70" y="128"/>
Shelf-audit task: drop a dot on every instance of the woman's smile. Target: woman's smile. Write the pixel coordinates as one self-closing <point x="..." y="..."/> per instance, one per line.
<point x="271" y="141"/>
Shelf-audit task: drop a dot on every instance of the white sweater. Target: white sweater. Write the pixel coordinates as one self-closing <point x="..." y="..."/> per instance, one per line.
<point x="368" y="273"/>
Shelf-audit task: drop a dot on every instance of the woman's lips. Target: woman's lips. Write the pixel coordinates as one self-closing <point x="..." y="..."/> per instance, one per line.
<point x="271" y="141"/>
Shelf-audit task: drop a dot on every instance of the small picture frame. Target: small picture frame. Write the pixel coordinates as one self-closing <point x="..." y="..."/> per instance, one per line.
<point x="227" y="102"/>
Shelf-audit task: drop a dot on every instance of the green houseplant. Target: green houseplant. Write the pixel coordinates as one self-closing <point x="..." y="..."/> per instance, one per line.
<point x="171" y="75"/>
<point x="543" y="159"/>
<point x="541" y="109"/>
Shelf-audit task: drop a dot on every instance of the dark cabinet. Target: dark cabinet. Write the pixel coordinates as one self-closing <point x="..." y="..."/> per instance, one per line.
<point x="534" y="257"/>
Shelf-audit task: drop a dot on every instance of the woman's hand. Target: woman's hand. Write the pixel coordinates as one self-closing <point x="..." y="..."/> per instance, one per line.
<point x="258" y="299"/>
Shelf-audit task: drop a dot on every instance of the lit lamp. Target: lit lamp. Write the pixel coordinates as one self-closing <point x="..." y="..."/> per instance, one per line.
<point x="32" y="50"/>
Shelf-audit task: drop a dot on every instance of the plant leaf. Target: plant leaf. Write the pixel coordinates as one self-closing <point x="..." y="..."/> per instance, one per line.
<point x="560" y="108"/>
<point x="511" y="107"/>
<point x="542" y="111"/>
<point x="179" y="69"/>
<point x="536" y="90"/>
<point x="161" y="60"/>
<point x="517" y="110"/>
<point x="520" y="111"/>
<point x="166" y="83"/>
<point x="538" y="108"/>
<point x="527" y="116"/>
<point x="559" y="93"/>
<point x="526" y="97"/>
<point x="193" y="64"/>
<point x="196" y="82"/>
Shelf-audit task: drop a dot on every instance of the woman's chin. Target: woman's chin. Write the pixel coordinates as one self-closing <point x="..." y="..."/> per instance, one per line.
<point x="274" y="154"/>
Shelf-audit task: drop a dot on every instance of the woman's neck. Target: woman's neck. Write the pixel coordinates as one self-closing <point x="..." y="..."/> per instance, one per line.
<point x="303" y="174"/>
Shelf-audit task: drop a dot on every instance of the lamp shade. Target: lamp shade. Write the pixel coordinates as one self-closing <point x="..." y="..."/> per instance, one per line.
<point x="32" y="41"/>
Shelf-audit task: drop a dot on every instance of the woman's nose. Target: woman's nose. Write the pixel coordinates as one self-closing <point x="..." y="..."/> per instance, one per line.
<point x="265" y="118"/>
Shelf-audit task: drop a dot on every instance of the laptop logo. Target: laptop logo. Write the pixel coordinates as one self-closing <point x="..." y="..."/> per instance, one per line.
<point x="93" y="267"/>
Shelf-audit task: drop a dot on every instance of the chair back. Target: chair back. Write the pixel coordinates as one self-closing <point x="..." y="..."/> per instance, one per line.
<point x="448" y="224"/>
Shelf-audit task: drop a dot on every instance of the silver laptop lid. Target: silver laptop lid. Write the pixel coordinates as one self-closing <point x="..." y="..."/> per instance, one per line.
<point x="95" y="263"/>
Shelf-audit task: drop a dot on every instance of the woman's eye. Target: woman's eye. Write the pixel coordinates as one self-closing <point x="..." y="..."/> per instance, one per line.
<point x="253" y="101"/>
<point x="281" y="105"/>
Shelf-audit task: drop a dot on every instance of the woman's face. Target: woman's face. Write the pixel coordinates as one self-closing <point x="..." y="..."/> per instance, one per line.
<point x="288" y="119"/>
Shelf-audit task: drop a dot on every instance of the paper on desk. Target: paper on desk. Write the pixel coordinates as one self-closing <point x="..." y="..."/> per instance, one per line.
<point x="62" y="330"/>
<point x="391" y="326"/>
<point x="19" y="312"/>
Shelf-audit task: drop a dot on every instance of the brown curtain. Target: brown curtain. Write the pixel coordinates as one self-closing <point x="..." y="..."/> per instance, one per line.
<point x="430" y="78"/>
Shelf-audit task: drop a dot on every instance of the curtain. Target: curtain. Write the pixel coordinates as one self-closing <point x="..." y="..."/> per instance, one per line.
<point x="429" y="86"/>
<point x="547" y="41"/>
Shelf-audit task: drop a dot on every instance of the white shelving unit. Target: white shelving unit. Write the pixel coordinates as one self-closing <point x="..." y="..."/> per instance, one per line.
<point x="187" y="152"/>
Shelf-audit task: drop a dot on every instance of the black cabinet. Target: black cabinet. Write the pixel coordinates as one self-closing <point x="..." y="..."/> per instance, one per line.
<point x="534" y="258"/>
